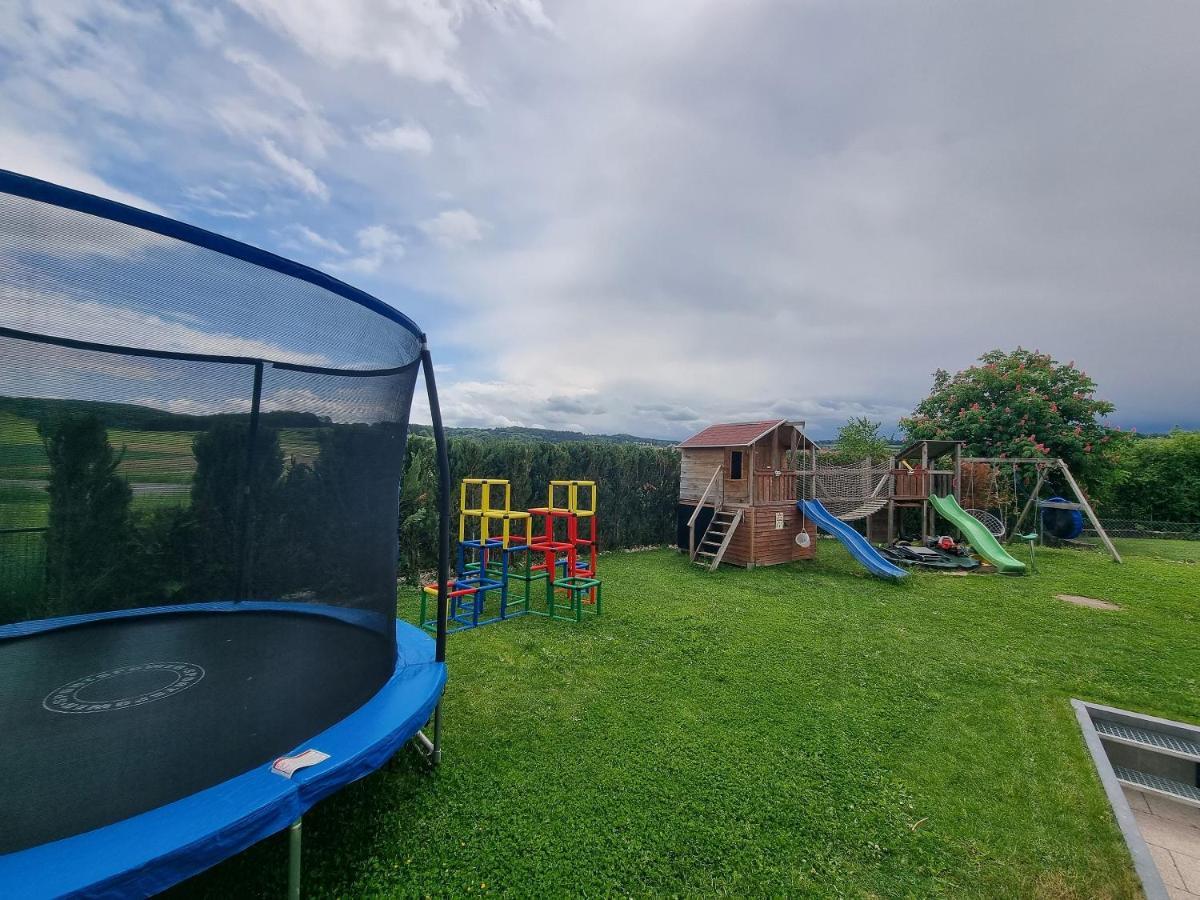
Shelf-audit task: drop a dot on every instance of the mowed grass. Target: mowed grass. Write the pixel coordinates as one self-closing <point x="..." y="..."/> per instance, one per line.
<point x="800" y="730"/>
<point x="1181" y="551"/>
<point x="159" y="465"/>
<point x="161" y="457"/>
<point x="21" y="452"/>
<point x="24" y="504"/>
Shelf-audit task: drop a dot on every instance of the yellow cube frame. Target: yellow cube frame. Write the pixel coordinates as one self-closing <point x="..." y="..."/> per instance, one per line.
<point x="573" y="491"/>
<point x="485" y="508"/>
<point x="507" y="519"/>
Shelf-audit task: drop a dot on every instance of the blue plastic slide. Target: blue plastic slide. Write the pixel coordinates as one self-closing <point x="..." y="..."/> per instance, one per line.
<point x="860" y="548"/>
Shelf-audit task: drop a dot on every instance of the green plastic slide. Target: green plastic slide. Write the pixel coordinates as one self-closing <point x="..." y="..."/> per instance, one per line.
<point x="977" y="535"/>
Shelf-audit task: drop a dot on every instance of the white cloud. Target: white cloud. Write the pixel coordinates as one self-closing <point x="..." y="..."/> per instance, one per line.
<point x="216" y="202"/>
<point x="410" y="137"/>
<point x="241" y="117"/>
<point x="813" y="226"/>
<point x="342" y="404"/>
<point x="267" y="79"/>
<point x="454" y="228"/>
<point x="55" y="159"/>
<point x="285" y="116"/>
<point x="63" y="315"/>
<point x="206" y="23"/>
<point x="417" y="39"/>
<point x="190" y="406"/>
<point x="506" y="404"/>
<point x="377" y="244"/>
<point x="319" y="241"/>
<point x="294" y="170"/>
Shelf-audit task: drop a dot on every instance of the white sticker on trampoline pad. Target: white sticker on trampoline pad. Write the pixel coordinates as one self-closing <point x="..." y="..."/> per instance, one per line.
<point x="287" y="766"/>
<point x="66" y="698"/>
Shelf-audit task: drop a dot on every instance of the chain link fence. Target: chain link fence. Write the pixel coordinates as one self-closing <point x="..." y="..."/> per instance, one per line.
<point x="1147" y="528"/>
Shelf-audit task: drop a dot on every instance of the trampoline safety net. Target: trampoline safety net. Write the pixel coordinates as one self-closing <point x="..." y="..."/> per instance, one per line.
<point x="187" y="425"/>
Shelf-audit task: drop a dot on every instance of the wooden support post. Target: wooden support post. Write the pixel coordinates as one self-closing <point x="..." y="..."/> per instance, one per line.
<point x="1087" y="508"/>
<point x="926" y="518"/>
<point x="891" y="532"/>
<point x="750" y="462"/>
<point x="958" y="472"/>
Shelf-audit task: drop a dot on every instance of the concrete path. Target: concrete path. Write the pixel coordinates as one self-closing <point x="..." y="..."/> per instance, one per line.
<point x="1173" y="832"/>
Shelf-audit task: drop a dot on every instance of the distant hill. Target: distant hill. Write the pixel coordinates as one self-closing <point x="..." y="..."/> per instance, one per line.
<point x="147" y="418"/>
<point x="144" y="418"/>
<point x="543" y="435"/>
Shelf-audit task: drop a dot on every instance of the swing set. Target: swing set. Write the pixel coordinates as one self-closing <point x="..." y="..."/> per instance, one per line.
<point x="992" y="502"/>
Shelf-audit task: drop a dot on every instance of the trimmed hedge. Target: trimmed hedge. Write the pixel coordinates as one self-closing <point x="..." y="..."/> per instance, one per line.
<point x="638" y="488"/>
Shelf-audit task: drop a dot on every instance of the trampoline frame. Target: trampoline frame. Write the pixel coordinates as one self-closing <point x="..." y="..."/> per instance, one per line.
<point x="161" y="875"/>
<point x="272" y="802"/>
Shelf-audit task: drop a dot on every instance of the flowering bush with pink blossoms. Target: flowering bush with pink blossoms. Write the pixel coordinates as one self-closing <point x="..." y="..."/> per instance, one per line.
<point x="1023" y="403"/>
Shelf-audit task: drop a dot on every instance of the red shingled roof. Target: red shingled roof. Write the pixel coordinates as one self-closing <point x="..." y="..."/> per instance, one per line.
<point x="734" y="434"/>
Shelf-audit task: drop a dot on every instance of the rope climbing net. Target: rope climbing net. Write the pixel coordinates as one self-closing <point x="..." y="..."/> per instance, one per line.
<point x="853" y="492"/>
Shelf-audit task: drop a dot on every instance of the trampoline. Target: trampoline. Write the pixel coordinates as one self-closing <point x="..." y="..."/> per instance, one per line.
<point x="205" y="644"/>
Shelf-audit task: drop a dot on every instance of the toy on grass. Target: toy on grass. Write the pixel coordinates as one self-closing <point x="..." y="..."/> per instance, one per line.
<point x="569" y="554"/>
<point x="497" y="547"/>
<point x="485" y="558"/>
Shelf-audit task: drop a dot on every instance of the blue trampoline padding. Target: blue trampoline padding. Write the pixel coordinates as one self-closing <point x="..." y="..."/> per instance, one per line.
<point x="152" y="851"/>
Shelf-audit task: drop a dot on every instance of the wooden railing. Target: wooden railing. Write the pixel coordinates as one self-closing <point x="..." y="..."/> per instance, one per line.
<point x="775" y="486"/>
<point x="716" y="479"/>
<point x="911" y="485"/>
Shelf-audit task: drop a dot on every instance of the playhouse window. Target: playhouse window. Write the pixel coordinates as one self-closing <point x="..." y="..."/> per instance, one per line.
<point x="735" y="465"/>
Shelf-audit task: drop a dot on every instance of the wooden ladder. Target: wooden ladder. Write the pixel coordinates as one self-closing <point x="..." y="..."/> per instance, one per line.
<point x="717" y="536"/>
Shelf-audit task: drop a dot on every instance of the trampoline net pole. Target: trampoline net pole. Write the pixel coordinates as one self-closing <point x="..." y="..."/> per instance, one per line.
<point x="443" y="463"/>
<point x="246" y="511"/>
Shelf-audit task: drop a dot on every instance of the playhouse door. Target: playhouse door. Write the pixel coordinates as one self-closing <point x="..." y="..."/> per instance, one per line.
<point x="737" y="475"/>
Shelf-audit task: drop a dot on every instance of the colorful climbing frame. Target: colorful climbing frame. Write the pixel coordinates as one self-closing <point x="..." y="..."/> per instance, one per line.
<point x="500" y="548"/>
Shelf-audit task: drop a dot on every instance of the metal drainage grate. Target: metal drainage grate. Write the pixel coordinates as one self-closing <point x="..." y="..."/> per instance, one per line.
<point x="1168" y="786"/>
<point x="1156" y="740"/>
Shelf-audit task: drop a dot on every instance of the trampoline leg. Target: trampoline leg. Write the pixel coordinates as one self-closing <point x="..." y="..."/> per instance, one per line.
<point x="294" y="860"/>
<point x="432" y="750"/>
<point x="436" y="758"/>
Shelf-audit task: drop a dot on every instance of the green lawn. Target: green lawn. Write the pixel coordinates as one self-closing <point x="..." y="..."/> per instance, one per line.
<point x="799" y="730"/>
<point x="1181" y="551"/>
<point x="155" y="462"/>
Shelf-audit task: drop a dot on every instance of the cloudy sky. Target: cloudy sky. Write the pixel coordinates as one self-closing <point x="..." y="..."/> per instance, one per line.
<point x="640" y="216"/>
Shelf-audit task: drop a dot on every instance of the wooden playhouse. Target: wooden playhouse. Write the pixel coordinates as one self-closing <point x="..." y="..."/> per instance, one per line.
<point x="738" y="486"/>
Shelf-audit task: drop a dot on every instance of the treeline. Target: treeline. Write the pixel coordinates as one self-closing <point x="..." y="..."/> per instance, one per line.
<point x="133" y="417"/>
<point x="1158" y="478"/>
<point x="638" y="488"/>
<point x="262" y="526"/>
<point x="546" y="435"/>
<point x="256" y="527"/>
